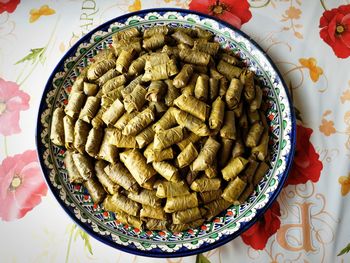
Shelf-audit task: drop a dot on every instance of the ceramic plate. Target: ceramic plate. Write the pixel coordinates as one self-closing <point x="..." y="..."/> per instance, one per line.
<point x="103" y="225"/>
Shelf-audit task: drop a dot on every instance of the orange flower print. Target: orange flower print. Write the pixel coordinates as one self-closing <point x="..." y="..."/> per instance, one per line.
<point x="345" y="184"/>
<point x="345" y="96"/>
<point x="327" y="127"/>
<point x="314" y="70"/>
<point x="44" y="10"/>
<point x="136" y="6"/>
<point x="292" y="13"/>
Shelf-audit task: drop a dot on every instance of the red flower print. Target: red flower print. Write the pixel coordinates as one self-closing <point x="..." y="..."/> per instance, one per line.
<point x="8" y="5"/>
<point x="21" y="185"/>
<point x="335" y="30"/>
<point x="235" y="12"/>
<point x="12" y="101"/>
<point x="258" y="234"/>
<point x="306" y="165"/>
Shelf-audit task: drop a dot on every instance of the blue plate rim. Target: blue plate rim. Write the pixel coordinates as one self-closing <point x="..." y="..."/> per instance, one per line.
<point x="206" y="246"/>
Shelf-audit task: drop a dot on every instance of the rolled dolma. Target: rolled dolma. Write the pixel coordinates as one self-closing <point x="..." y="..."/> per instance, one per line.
<point x="152" y="212"/>
<point x="194" y="57"/>
<point x="168" y="189"/>
<point x="192" y="123"/>
<point x="171" y="94"/>
<point x="90" y="109"/>
<point x="124" y="60"/>
<point x="186" y="216"/>
<point x="247" y="78"/>
<point x="234" y="189"/>
<point x="228" y="130"/>
<point x="158" y="156"/>
<point x="228" y="70"/>
<point x="113" y="113"/>
<point x="145" y="137"/>
<point x="117" y="202"/>
<point x="201" y="90"/>
<point x="167" y="170"/>
<point x="110" y="74"/>
<point x="188" y="89"/>
<point x="99" y="68"/>
<point x="155" y="91"/>
<point x="225" y="151"/>
<point x="126" y="34"/>
<point x="183" y="77"/>
<point x="217" y="113"/>
<point x="136" y="99"/>
<point x="260" y="172"/>
<point x="154" y="224"/>
<point x="72" y="171"/>
<point x="108" y="152"/>
<point x="129" y="219"/>
<point x="124" y="120"/>
<point x="154" y="42"/>
<point x="97" y="121"/>
<point x="57" y="134"/>
<point x="205" y="184"/>
<point x="94" y="141"/>
<point x="238" y="149"/>
<point x="229" y="59"/>
<point x="246" y="193"/>
<point x="233" y="168"/>
<point x="193" y="106"/>
<point x="113" y="83"/>
<point x="243" y="122"/>
<point x="191" y="176"/>
<point x="213" y="89"/>
<point x="256" y="102"/>
<point x="78" y="85"/>
<point x="216" y="207"/>
<point x="159" y="107"/>
<point x="130" y="87"/>
<point x="187" y="156"/>
<point x="191" y="138"/>
<point x="210" y="48"/>
<point x="84" y="165"/>
<point x="137" y="166"/>
<point x="223" y="86"/>
<point x="182" y="37"/>
<point x="109" y="97"/>
<point x="167" y="121"/>
<point x="165" y="138"/>
<point x="139" y="122"/>
<point x="122" y="141"/>
<point x="90" y="89"/>
<point x="209" y="196"/>
<point x="260" y="151"/>
<point x="253" y="116"/>
<point x="121" y="176"/>
<point x="239" y="110"/>
<point x="233" y="93"/>
<point x="76" y="101"/>
<point x="250" y="170"/>
<point x="211" y="171"/>
<point x="202" y="33"/>
<point x="182" y="227"/>
<point x="156" y="30"/>
<point x="81" y="132"/>
<point x="137" y="66"/>
<point x="95" y="190"/>
<point x="254" y="135"/>
<point x="215" y="74"/>
<point x="182" y="202"/>
<point x="145" y="197"/>
<point x="206" y="156"/>
<point x="109" y="186"/>
<point x="171" y="51"/>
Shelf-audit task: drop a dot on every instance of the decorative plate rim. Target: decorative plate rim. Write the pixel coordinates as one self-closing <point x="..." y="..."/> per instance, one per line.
<point x="206" y="246"/>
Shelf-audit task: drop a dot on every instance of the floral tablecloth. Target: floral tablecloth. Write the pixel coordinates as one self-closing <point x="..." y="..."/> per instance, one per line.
<point x="310" y="43"/>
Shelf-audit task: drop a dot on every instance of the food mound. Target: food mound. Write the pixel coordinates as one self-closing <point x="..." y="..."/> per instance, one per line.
<point x="165" y="128"/>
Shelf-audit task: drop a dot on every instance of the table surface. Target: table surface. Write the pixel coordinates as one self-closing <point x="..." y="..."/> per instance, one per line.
<point x="309" y="220"/>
